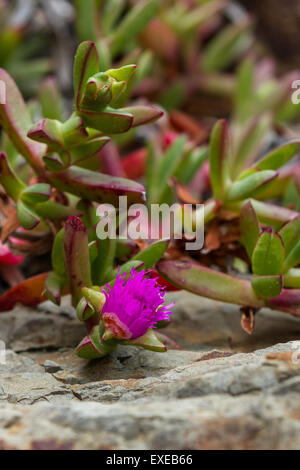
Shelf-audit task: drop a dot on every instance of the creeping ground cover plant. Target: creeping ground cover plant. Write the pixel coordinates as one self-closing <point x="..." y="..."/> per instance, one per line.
<point x="55" y="171"/>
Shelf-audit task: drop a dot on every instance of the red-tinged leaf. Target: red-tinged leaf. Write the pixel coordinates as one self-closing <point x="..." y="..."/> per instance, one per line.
<point x="143" y="114"/>
<point x="77" y="260"/>
<point x="134" y="164"/>
<point x="29" y="292"/>
<point x="86" y="64"/>
<point x="47" y="131"/>
<point x="249" y="226"/>
<point x="189" y="275"/>
<point x="16" y="121"/>
<point x="109" y="122"/>
<point x="96" y="186"/>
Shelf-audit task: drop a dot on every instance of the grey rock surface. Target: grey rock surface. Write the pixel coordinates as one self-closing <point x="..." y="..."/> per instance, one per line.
<point x="224" y="390"/>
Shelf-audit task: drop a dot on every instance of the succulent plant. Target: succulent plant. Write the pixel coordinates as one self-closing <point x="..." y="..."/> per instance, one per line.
<point x="58" y="186"/>
<point x="246" y="190"/>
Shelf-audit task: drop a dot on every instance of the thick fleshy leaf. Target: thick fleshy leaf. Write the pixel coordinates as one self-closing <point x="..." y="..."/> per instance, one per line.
<point x="126" y="268"/>
<point x="109" y="122"/>
<point x="293" y="258"/>
<point x="47" y="131"/>
<point x="206" y="282"/>
<point x="27" y="216"/>
<point x="143" y="114"/>
<point x="76" y="253"/>
<point x="167" y="167"/>
<point x="249" y="143"/>
<point x="249" y="186"/>
<point x="16" y="121"/>
<point x="53" y="287"/>
<point x="123" y="74"/>
<point x="226" y="46"/>
<point x="290" y="233"/>
<point x="132" y="24"/>
<point x="148" y="341"/>
<point x="95" y="297"/>
<point x="152" y="254"/>
<point x="9" y="180"/>
<point x="84" y="310"/>
<point x="36" y="193"/>
<point x="215" y="285"/>
<point x="83" y="152"/>
<point x="267" y="286"/>
<point x="244" y="91"/>
<point x="91" y="347"/>
<point x="29" y="292"/>
<point x="97" y="187"/>
<point x="86" y="64"/>
<point x="268" y="254"/>
<point x="219" y="158"/>
<point x="279" y="156"/>
<point x="249" y="226"/>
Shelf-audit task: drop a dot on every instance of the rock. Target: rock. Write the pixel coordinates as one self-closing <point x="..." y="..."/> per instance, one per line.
<point x="24" y="381"/>
<point x="213" y="422"/>
<point x="26" y="328"/>
<point x="200" y="324"/>
<point x="51" y="367"/>
<point x="230" y="391"/>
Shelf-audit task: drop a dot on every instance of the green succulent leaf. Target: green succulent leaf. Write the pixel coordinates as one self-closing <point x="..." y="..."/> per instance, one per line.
<point x="109" y="122"/>
<point x="249" y="226"/>
<point x="152" y="254"/>
<point x="219" y="158"/>
<point x="86" y="64"/>
<point x="9" y="180"/>
<point x="143" y="114"/>
<point x="36" y="193"/>
<point x="290" y="233"/>
<point x="267" y="286"/>
<point x="76" y="256"/>
<point x="27" y="216"/>
<point x="148" y="341"/>
<point x="53" y="287"/>
<point x="293" y="258"/>
<point x="279" y="157"/>
<point x="132" y="24"/>
<point x="97" y="187"/>
<point x="268" y="254"/>
<point x="249" y="186"/>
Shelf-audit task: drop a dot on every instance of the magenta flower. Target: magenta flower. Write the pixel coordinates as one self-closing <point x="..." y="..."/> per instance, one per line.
<point x="133" y="305"/>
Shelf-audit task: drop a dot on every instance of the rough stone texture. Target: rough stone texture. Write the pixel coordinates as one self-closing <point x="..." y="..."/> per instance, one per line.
<point x="223" y="391"/>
